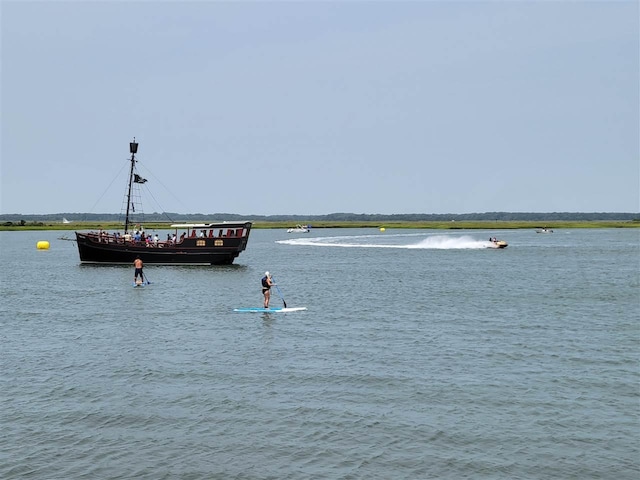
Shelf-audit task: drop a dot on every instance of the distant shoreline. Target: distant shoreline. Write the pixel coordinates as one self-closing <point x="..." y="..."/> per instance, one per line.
<point x="333" y="219"/>
<point x="441" y="225"/>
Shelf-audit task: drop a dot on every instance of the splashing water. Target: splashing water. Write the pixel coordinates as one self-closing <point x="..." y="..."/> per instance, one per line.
<point x="405" y="241"/>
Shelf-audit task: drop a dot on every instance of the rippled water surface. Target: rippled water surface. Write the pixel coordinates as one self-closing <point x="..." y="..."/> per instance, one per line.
<point x="423" y="354"/>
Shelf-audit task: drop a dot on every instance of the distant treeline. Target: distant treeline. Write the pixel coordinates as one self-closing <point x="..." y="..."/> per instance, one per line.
<point x="332" y="217"/>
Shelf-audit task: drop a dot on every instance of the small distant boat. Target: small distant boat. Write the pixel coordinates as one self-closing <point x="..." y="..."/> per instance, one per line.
<point x="299" y="229"/>
<point x="495" y="243"/>
<point x="64" y="220"/>
<point x="544" y="230"/>
<point x="199" y="244"/>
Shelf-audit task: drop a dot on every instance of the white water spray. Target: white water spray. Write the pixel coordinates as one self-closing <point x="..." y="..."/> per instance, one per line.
<point x="404" y="241"/>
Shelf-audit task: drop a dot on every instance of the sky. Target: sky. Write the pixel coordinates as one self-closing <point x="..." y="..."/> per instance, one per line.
<point x="319" y="107"/>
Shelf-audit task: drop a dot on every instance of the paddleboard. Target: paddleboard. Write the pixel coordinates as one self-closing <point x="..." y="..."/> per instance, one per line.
<point x="270" y="310"/>
<point x="138" y="285"/>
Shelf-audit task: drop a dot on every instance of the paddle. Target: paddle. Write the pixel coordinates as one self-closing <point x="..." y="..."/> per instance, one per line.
<point x="145" y="278"/>
<point x="279" y="293"/>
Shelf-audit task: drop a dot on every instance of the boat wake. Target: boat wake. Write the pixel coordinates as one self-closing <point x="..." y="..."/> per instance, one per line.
<point x="403" y="241"/>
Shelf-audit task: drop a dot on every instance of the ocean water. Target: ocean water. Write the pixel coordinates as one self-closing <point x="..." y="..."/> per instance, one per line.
<point x="422" y="355"/>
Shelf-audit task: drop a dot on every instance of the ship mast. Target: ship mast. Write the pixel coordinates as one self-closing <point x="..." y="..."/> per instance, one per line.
<point x="133" y="149"/>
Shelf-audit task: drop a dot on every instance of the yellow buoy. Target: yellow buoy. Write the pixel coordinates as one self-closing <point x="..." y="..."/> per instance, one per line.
<point x="382" y="229"/>
<point x="42" y="245"/>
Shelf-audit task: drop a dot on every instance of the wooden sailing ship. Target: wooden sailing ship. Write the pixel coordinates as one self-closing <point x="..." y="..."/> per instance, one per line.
<point x="217" y="243"/>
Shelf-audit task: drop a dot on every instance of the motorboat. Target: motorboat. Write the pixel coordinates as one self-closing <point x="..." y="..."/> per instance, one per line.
<point x="299" y="229"/>
<point x="495" y="243"/>
<point x="544" y="230"/>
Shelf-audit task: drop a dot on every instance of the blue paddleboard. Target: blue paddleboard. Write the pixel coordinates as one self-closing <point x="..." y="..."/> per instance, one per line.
<point x="269" y="310"/>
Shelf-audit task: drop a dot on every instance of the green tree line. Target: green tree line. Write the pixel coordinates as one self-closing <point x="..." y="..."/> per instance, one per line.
<point x="331" y="217"/>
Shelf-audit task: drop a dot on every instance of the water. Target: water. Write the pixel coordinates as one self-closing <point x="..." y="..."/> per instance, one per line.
<point x="422" y="354"/>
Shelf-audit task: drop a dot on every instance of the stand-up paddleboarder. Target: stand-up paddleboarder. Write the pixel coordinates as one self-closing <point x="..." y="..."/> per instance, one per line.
<point x="138" y="273"/>
<point x="267" y="283"/>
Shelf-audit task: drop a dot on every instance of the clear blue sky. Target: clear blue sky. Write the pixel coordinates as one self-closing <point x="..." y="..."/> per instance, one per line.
<point x="321" y="107"/>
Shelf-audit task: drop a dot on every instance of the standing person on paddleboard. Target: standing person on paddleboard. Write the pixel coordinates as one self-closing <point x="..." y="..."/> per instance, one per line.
<point x="267" y="283"/>
<point x="138" y="264"/>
